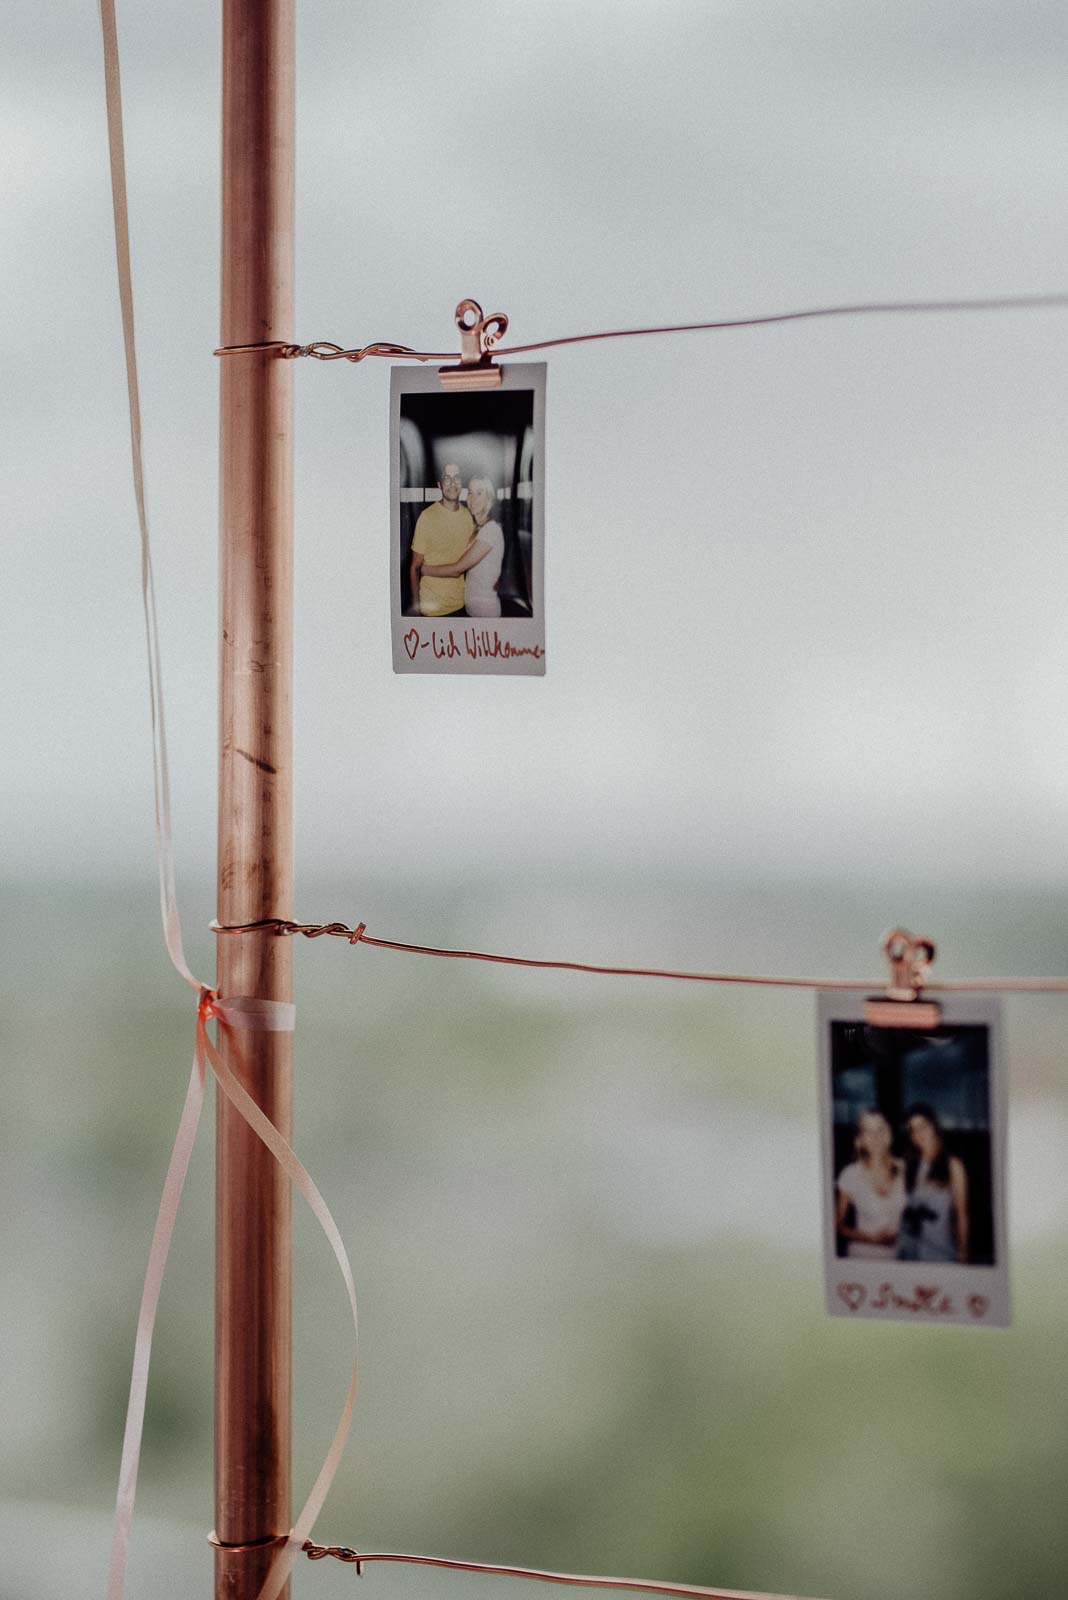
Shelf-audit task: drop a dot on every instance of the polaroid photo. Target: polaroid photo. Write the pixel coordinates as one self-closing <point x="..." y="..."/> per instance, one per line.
<point x="467" y="532"/>
<point x="913" y="1170"/>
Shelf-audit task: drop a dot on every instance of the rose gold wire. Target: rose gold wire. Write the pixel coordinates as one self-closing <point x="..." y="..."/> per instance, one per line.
<point x="359" y="935"/>
<point x="317" y="1552"/>
<point x="324" y="350"/>
<point x="252" y="1546"/>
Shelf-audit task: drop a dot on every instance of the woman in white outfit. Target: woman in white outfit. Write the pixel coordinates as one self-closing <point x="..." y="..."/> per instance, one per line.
<point x="873" y="1189"/>
<point x="480" y="564"/>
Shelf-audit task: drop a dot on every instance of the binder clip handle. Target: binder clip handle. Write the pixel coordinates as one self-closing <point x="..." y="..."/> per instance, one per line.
<point x="478" y="335"/>
<point x="903" y="1005"/>
<point x="910" y="963"/>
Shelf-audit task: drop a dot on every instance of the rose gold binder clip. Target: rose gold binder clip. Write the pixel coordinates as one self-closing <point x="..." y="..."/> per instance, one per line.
<point x="903" y="1005"/>
<point x="478" y="335"/>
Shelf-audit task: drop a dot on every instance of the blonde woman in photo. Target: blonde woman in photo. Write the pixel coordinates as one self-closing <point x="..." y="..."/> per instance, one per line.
<point x="873" y="1188"/>
<point x="480" y="564"/>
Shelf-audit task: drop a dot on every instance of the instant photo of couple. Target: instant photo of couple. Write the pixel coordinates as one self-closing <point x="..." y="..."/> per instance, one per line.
<point x="467" y="523"/>
<point x="466" y="492"/>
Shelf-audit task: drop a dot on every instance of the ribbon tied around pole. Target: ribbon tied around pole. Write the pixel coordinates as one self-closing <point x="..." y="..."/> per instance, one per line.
<point x="233" y="1014"/>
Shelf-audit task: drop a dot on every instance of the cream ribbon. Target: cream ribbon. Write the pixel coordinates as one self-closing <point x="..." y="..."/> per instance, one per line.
<point x="235" y="1013"/>
<point x="173" y="1184"/>
<point x="228" y="1013"/>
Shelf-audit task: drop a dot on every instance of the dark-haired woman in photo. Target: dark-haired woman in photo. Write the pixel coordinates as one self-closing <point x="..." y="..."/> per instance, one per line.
<point x="934" y="1225"/>
<point x="873" y="1188"/>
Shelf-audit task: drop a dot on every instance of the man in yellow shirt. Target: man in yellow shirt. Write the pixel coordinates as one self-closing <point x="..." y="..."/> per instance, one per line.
<point x="442" y="533"/>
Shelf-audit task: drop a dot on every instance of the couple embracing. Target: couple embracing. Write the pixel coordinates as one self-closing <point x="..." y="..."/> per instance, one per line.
<point x="457" y="551"/>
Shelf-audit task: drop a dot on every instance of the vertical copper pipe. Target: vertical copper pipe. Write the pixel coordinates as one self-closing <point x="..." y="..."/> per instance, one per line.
<point x="253" y="1322"/>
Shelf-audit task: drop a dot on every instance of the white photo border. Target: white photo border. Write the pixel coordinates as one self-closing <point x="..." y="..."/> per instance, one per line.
<point x="514" y="646"/>
<point x="960" y="1294"/>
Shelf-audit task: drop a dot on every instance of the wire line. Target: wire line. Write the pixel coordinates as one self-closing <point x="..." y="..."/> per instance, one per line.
<point x="324" y="350"/>
<point x="689" y="1591"/>
<point x="359" y="935"/>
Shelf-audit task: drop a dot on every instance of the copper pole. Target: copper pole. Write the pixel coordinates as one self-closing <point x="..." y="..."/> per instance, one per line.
<point x="252" y="1317"/>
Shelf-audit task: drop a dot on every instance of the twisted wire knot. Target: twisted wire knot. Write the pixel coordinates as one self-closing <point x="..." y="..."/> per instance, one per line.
<point x="286" y="929"/>
<point x="340" y="1552"/>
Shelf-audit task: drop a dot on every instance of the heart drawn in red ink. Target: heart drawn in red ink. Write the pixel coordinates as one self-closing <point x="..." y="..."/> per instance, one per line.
<point x="978" y="1305"/>
<point x="854" y="1295"/>
<point x="926" y="1296"/>
<point x="411" y="642"/>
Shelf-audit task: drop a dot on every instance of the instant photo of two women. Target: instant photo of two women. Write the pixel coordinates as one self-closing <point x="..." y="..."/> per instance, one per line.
<point x="467" y="523"/>
<point x="913" y="1125"/>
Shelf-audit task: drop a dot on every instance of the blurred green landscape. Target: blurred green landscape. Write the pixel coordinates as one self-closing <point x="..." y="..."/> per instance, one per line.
<point x="583" y="1218"/>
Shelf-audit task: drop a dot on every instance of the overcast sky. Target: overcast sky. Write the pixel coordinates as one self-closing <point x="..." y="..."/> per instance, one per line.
<point x="805" y="585"/>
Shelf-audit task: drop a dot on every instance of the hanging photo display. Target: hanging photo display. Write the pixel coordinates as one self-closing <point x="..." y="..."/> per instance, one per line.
<point x="913" y="1137"/>
<point x="467" y="540"/>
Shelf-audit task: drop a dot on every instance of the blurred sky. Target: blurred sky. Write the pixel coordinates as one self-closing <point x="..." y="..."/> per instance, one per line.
<point x="805" y="584"/>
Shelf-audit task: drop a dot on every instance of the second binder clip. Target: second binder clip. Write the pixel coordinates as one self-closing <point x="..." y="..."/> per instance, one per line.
<point x="903" y="1005"/>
